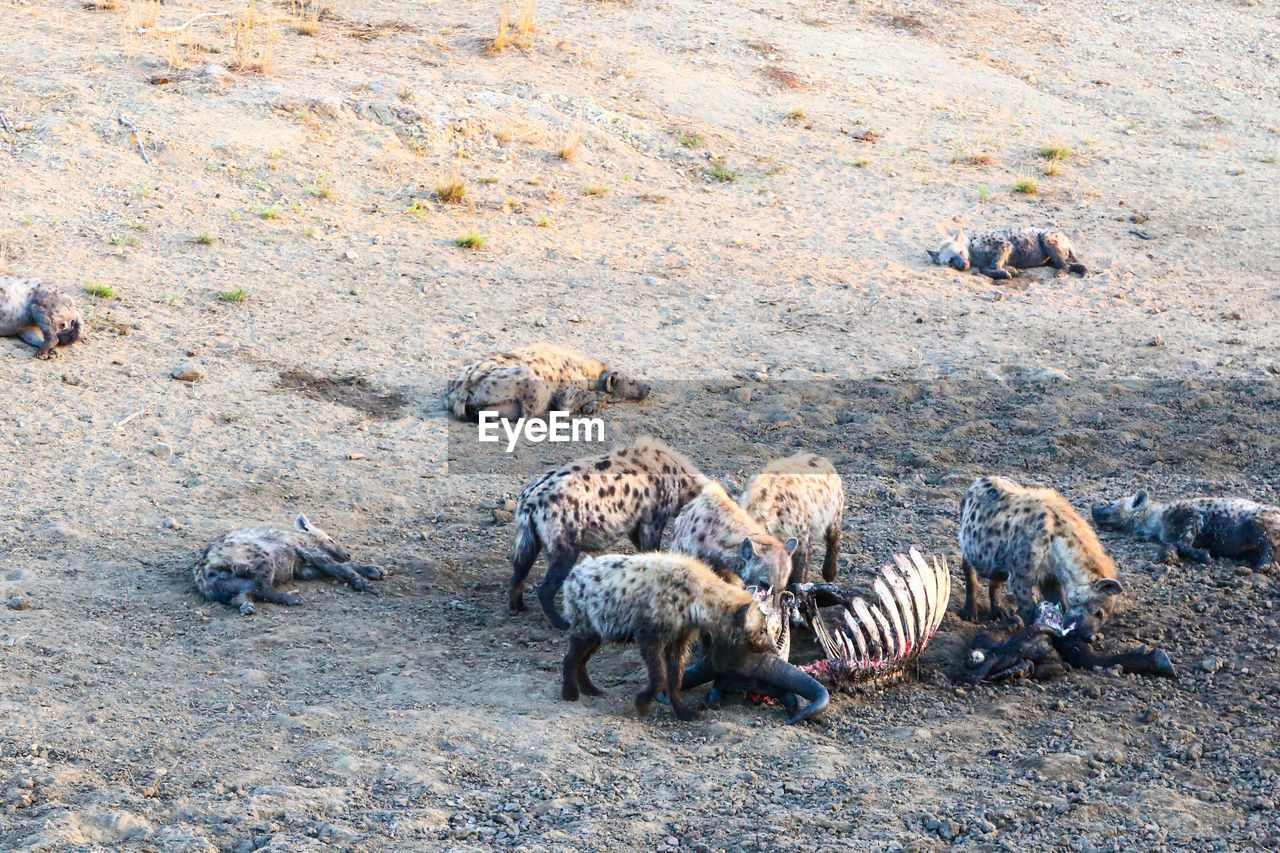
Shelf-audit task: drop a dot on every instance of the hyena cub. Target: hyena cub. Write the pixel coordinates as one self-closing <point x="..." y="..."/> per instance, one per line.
<point x="660" y="602"/>
<point x="1034" y="539"/>
<point x="242" y="565"/>
<point x="589" y="504"/>
<point x="39" y="313"/>
<point x="1199" y="528"/>
<point x="528" y="382"/>
<point x="800" y="497"/>
<point x="1000" y="254"/>
<point x="723" y="535"/>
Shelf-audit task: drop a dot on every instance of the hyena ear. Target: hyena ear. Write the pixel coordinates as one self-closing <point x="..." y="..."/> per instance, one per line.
<point x="740" y="618"/>
<point x="303" y="524"/>
<point x="1107" y="587"/>
<point x="611" y="381"/>
<point x="790" y="546"/>
<point x="959" y="238"/>
<point x="1139" y="498"/>
<point x="933" y="256"/>
<point x="747" y="550"/>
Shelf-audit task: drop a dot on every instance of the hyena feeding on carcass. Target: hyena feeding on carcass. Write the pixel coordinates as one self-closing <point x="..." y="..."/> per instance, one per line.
<point x="589" y="504"/>
<point x="660" y="602"/>
<point x="799" y="497"/>
<point x="1199" y="528"/>
<point x="248" y="564"/>
<point x="1034" y="539"/>
<point x="716" y="530"/>
<point x="528" y="382"/>
<point x="39" y="313"/>
<point x="1000" y="254"/>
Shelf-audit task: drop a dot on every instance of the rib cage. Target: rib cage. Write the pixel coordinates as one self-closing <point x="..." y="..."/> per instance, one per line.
<point x="879" y="640"/>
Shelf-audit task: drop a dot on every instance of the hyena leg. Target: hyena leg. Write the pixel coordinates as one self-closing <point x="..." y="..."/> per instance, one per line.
<point x="1057" y="257"/>
<point x="270" y="594"/>
<point x="579" y="400"/>
<point x="341" y="571"/>
<point x="800" y="559"/>
<point x="32" y="336"/>
<point x="997" y="269"/>
<point x="1261" y="539"/>
<point x="647" y="535"/>
<point x="653" y="658"/>
<point x="1186" y="544"/>
<point x="969" y="612"/>
<point x="673" y="659"/>
<point x="560" y="559"/>
<point x="226" y="589"/>
<point x="831" y="560"/>
<point x="584" y="680"/>
<point x="308" y="573"/>
<point x="993" y="593"/>
<point x="575" y="663"/>
<point x="522" y="560"/>
<point x="1074" y="265"/>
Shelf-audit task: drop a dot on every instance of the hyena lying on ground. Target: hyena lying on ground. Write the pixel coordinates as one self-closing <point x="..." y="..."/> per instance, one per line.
<point x="589" y="504"/>
<point x="1199" y="528"/>
<point x="1000" y="254"/>
<point x="660" y="602"/>
<point x="242" y="565"/>
<point x="1034" y="539"/>
<point x="528" y="382"/>
<point x="717" y="531"/>
<point x="39" y="313"/>
<point x="800" y="497"/>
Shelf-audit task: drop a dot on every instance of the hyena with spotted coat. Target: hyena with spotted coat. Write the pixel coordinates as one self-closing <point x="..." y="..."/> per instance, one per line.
<point x="717" y="531"/>
<point x="589" y="504"/>
<point x="1001" y="253"/>
<point x="528" y="382"/>
<point x="1034" y="539"/>
<point x="660" y="602"/>
<point x="248" y="564"/>
<point x="1199" y="528"/>
<point x="800" y="497"/>
<point x="39" y="313"/>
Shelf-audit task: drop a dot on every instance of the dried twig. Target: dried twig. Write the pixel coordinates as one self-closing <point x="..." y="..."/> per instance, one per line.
<point x="119" y="424"/>
<point x="4" y="122"/>
<point x="142" y="31"/>
<point x="137" y="137"/>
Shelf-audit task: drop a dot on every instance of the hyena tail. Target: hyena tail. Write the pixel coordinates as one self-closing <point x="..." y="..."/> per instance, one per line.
<point x="523" y="554"/>
<point x="221" y="587"/>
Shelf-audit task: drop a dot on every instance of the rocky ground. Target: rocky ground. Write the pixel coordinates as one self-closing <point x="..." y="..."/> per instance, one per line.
<point x="741" y="215"/>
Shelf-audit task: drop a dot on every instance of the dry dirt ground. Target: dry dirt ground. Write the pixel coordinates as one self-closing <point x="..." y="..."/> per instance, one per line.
<point x="750" y="195"/>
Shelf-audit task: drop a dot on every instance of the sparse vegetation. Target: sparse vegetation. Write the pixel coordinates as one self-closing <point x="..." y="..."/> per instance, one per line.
<point x="688" y="140"/>
<point x="796" y="115"/>
<point x="975" y="158"/>
<point x="984" y="194"/>
<point x="470" y="240"/>
<point x="415" y="207"/>
<point x="1051" y="168"/>
<point x="236" y="296"/>
<point x="862" y="162"/>
<point x="568" y="149"/>
<point x="1054" y="151"/>
<point x="203" y="239"/>
<point x="720" y="171"/>
<point x="542" y="220"/>
<point x="595" y="190"/>
<point x="99" y="291"/>
<point x="1026" y="186"/>
<point x="515" y="29"/>
<point x="451" y="190"/>
<point x="253" y="50"/>
<point x="269" y="213"/>
<point x="119" y="241"/>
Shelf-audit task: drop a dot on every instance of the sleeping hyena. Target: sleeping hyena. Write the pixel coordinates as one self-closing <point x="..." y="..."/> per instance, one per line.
<point x="799" y="497"/>
<point x="39" y="313"/>
<point x="589" y="504"/>
<point x="242" y="565"/>
<point x="723" y="535"/>
<point x="1000" y="254"/>
<point x="1034" y="539"/>
<point x="1199" y="528"/>
<point x="528" y="382"/>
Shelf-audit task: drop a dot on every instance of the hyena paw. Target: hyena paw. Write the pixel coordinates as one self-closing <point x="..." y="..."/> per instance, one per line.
<point x="369" y="571"/>
<point x="361" y="584"/>
<point x="247" y="609"/>
<point x="998" y="613"/>
<point x="289" y="600"/>
<point x="591" y="690"/>
<point x="968" y="614"/>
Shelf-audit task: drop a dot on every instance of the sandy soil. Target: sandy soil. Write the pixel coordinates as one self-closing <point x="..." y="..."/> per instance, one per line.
<point x="134" y="715"/>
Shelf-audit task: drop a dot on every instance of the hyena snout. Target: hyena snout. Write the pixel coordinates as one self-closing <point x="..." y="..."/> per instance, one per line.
<point x="620" y="386"/>
<point x="1106" y="515"/>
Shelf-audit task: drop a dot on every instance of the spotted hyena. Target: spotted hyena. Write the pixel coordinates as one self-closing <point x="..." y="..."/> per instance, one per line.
<point x="39" y="313"/>
<point x="660" y="602"/>
<point x="723" y="535"/>
<point x="1000" y="254"/>
<point x="589" y="504"/>
<point x="1034" y="539"/>
<point x="248" y="564"/>
<point x="530" y="381"/>
<point x="800" y="497"/>
<point x="1199" y="528"/>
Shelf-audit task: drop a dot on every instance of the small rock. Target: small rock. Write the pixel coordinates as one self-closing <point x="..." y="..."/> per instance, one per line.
<point x="350" y="255"/>
<point x="171" y="523"/>
<point x="187" y="373"/>
<point x="1156" y="341"/>
<point x="574" y="318"/>
<point x="502" y="516"/>
<point x="509" y="505"/>
<point x="162" y="451"/>
<point x="69" y="379"/>
<point x="744" y="395"/>
<point x="1211" y="664"/>
<point x="18" y="603"/>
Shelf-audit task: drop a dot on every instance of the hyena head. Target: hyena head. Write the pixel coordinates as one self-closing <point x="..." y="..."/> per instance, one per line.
<point x="620" y="386"/>
<point x="65" y="321"/>
<point x="1125" y="514"/>
<point x="954" y="252"/>
<point x="766" y="564"/>
<point x="750" y="629"/>
<point x="322" y="539"/>
<point x="1090" y="608"/>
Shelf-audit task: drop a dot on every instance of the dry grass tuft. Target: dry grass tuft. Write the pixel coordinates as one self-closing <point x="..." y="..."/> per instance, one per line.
<point x="253" y="50"/>
<point x="568" y="149"/>
<point x="975" y="158"/>
<point x="515" y="29"/>
<point x="451" y="190"/>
